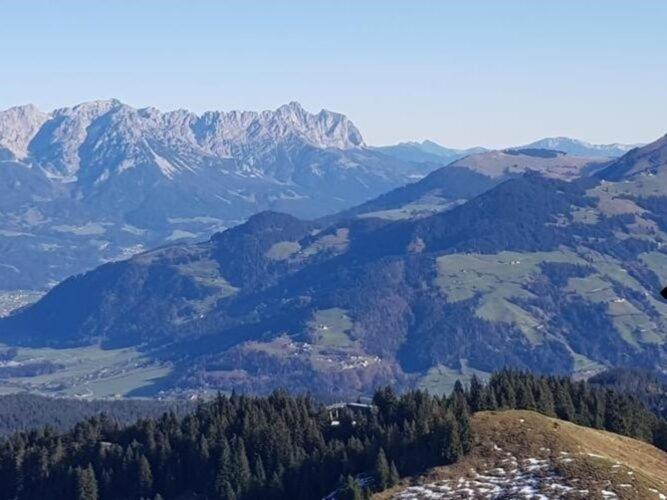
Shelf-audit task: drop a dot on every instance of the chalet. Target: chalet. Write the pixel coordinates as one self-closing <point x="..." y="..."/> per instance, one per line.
<point x="336" y="411"/>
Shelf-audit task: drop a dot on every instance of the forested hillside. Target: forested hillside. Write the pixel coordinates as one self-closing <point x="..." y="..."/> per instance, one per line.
<point x="284" y="446"/>
<point x="646" y="386"/>
<point x="29" y="411"/>
<point x="280" y="446"/>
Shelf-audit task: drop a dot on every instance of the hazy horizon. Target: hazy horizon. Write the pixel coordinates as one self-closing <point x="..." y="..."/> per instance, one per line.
<point x="462" y="75"/>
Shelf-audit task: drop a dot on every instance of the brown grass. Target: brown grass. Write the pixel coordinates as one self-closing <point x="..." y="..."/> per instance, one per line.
<point x="597" y="459"/>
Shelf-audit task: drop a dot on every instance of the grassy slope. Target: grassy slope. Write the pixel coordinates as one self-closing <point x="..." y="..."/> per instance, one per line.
<point x="88" y="371"/>
<point x="583" y="458"/>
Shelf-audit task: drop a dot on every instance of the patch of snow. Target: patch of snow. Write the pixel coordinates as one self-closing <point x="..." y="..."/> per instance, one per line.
<point x="529" y="481"/>
<point x="201" y="219"/>
<point x="88" y="229"/>
<point x="178" y="234"/>
<point x="164" y="165"/>
<point x="13" y="234"/>
<point x="128" y="228"/>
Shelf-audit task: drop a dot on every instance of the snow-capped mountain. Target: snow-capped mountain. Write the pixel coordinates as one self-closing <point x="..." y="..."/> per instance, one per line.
<point x="581" y="148"/>
<point x="102" y="179"/>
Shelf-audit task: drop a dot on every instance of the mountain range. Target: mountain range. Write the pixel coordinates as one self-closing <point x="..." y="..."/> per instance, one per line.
<point x="545" y="270"/>
<point x="429" y="151"/>
<point x="102" y="180"/>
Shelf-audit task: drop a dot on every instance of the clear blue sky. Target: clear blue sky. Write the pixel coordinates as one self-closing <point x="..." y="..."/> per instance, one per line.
<point x="493" y="73"/>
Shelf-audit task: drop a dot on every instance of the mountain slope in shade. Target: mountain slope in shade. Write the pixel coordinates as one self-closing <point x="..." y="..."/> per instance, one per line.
<point x="648" y="161"/>
<point x="581" y="148"/>
<point x="522" y="454"/>
<point x="102" y="180"/>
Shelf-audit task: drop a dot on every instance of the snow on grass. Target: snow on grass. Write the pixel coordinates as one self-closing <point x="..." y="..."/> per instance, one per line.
<point x="531" y="478"/>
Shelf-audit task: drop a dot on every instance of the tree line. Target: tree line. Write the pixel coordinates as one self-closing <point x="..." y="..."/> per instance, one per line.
<point x="30" y="411"/>
<point x="579" y="402"/>
<point x="286" y="446"/>
<point x="239" y="447"/>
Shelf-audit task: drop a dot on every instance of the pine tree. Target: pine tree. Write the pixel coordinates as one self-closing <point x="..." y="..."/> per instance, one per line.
<point x="490" y="401"/>
<point x="144" y="476"/>
<point x="544" y="400"/>
<point x="598" y="409"/>
<point x="86" y="484"/>
<point x="475" y="398"/>
<point x="616" y="420"/>
<point x="451" y="446"/>
<point x="563" y="402"/>
<point x="385" y="400"/>
<point x="394" y="476"/>
<point x="524" y="397"/>
<point x="259" y="473"/>
<point x="462" y="416"/>
<point x="223" y="473"/>
<point x="381" y="473"/>
<point x="350" y="490"/>
<point x="240" y="466"/>
<point x="505" y="394"/>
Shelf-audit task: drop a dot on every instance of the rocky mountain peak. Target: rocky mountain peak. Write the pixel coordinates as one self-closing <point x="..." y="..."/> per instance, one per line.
<point x="113" y="137"/>
<point x="18" y="125"/>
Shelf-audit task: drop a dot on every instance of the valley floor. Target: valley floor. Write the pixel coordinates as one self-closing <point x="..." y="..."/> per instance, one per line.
<point x="88" y="372"/>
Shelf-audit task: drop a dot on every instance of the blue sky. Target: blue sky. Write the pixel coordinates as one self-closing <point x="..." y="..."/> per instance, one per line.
<point x="491" y="73"/>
